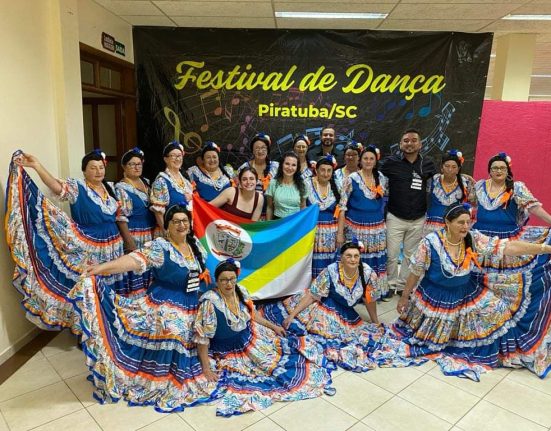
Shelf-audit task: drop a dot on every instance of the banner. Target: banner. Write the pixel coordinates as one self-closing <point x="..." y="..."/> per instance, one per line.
<point x="225" y="85"/>
<point x="275" y="256"/>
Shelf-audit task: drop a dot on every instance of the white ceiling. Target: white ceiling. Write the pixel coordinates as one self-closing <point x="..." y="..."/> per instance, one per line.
<point x="423" y="15"/>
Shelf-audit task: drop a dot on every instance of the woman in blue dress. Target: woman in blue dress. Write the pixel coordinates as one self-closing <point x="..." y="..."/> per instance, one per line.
<point x="265" y="168"/>
<point x="253" y="363"/>
<point x="322" y="191"/>
<point x="136" y="222"/>
<point x="503" y="208"/>
<point x="50" y="249"/>
<point x="468" y="320"/>
<point x="325" y="311"/>
<point x="170" y="187"/>
<point x="447" y="189"/>
<point x="140" y="348"/>
<point x="352" y="152"/>
<point x="362" y="213"/>
<point x="211" y="178"/>
<point x="301" y="143"/>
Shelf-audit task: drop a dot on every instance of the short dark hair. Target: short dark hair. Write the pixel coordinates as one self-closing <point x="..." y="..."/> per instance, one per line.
<point x="411" y="130"/>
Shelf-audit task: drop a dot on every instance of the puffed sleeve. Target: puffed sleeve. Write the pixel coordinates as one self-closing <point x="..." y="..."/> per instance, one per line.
<point x="126" y="205"/>
<point x="469" y="186"/>
<point x="372" y="288"/>
<point x="488" y="246"/>
<point x="229" y="169"/>
<point x="320" y="286"/>
<point x="205" y="322"/>
<point x="159" y="197"/>
<point x="271" y="188"/>
<point x="345" y="193"/>
<point x="69" y="190"/>
<point x="151" y="255"/>
<point x="384" y="183"/>
<point x="420" y="260"/>
<point x="524" y="197"/>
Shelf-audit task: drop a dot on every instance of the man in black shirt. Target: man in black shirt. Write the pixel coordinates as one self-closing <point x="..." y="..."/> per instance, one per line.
<point x="327" y="146"/>
<point x="407" y="174"/>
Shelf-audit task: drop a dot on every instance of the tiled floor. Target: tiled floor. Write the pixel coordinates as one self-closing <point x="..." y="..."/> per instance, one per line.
<point x="50" y="392"/>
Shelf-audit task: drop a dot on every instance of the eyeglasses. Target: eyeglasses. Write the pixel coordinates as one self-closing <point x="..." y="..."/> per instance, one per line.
<point x="498" y="168"/>
<point x="261" y="150"/>
<point x="176" y="157"/>
<point x="231" y="280"/>
<point x="179" y="222"/>
<point x="134" y="165"/>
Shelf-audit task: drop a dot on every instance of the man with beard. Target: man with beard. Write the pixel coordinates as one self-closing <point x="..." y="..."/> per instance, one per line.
<point x="327" y="146"/>
<point x="407" y="174"/>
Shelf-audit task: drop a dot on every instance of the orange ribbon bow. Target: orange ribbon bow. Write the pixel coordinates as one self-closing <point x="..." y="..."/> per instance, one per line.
<point x="266" y="182"/>
<point x="470" y="256"/>
<point x="205" y="276"/>
<point x="377" y="190"/>
<point x="505" y="198"/>
<point x="337" y="212"/>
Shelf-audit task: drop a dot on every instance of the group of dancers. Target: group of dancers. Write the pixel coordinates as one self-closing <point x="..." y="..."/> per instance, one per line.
<point x="126" y="274"/>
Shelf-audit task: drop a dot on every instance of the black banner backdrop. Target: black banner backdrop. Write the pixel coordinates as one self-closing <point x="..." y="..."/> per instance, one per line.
<point x="225" y="85"/>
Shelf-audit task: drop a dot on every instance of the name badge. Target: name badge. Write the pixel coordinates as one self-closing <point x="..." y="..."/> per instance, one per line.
<point x="192" y="281"/>
<point x="416" y="182"/>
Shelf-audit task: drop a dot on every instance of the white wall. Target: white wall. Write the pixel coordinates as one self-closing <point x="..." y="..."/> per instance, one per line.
<point x="94" y="19"/>
<point x="41" y="108"/>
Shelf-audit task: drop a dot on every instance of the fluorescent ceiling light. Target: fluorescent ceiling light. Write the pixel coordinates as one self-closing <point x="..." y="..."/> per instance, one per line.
<point x="540" y="76"/>
<point x="529" y="17"/>
<point x="331" y="15"/>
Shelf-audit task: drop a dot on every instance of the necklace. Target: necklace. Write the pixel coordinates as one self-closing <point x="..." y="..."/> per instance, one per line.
<point x="323" y="194"/>
<point x="448" y="187"/>
<point x="179" y="179"/>
<point x="235" y="318"/>
<point x="345" y="279"/>
<point x="103" y="195"/>
<point x="493" y="194"/>
<point x="455" y="244"/>
<point x="141" y="186"/>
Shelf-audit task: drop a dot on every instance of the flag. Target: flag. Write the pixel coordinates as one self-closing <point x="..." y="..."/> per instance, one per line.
<point x="275" y="256"/>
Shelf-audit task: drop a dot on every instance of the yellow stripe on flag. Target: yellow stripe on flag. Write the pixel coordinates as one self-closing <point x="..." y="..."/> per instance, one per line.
<point x="278" y="265"/>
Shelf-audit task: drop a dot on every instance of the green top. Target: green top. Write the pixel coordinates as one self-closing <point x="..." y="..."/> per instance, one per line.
<point x="286" y="198"/>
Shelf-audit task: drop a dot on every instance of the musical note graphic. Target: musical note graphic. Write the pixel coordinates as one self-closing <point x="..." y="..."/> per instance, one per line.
<point x="192" y="141"/>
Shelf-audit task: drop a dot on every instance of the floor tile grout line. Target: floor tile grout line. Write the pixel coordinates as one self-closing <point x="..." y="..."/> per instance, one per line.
<point x="353" y="425"/>
<point x="55" y="419"/>
<point x="516" y="414"/>
<point x="4" y="419"/>
<point x="31" y="391"/>
<point x="79" y="400"/>
<point x="482" y="399"/>
<point x="525" y="385"/>
<point x="265" y="417"/>
<point x="422" y="408"/>
<point x="334" y="405"/>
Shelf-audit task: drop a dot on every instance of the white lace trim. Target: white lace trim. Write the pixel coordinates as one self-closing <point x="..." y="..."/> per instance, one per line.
<point x="187" y="189"/>
<point x="129" y="188"/>
<point x="355" y="176"/>
<point x="236" y="323"/>
<point x="108" y="207"/>
<point x="442" y="196"/>
<point x="315" y="198"/>
<point x="218" y="184"/>
<point x="352" y="296"/>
